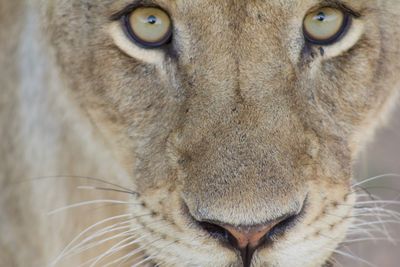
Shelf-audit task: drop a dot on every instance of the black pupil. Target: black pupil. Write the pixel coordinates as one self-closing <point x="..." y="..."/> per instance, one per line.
<point x="321" y="16"/>
<point x="152" y="19"/>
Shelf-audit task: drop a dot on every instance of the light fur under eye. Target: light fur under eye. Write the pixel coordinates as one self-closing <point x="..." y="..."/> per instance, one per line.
<point x="151" y="56"/>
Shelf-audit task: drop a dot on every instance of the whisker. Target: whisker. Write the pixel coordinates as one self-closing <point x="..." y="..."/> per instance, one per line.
<point x="119" y="246"/>
<point x="377" y="222"/>
<point x="86" y="231"/>
<point x="366" y="189"/>
<point x="153" y="257"/>
<point x="355" y="258"/>
<point x="104" y="189"/>
<point x="381" y="208"/>
<point x="90" y="245"/>
<point x="389" y="202"/>
<point x="110" y="251"/>
<point x="86" y="203"/>
<point x="366" y="232"/>
<point x="85" y="178"/>
<point x="131" y="254"/>
<point x="375" y="178"/>
<point x="368" y="239"/>
<point x="81" y="248"/>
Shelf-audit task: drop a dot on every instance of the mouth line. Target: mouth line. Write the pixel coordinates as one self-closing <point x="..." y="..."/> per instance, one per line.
<point x="247" y="255"/>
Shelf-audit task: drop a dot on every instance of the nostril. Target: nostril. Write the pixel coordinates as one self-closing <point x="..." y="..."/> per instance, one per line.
<point x="282" y="227"/>
<point x="216" y="231"/>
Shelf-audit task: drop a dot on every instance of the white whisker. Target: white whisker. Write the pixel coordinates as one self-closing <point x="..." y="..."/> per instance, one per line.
<point x="98" y="201"/>
<point x="151" y="258"/>
<point x="375" y="178"/>
<point x="133" y="253"/>
<point x="368" y="239"/>
<point x="84" y="232"/>
<point x="389" y="202"/>
<point x="129" y="232"/>
<point x="119" y="246"/>
<point x="355" y="258"/>
<point x="110" y="251"/>
<point x="81" y="248"/>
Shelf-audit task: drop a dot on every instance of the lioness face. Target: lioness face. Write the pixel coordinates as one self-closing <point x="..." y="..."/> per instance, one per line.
<point x="238" y="125"/>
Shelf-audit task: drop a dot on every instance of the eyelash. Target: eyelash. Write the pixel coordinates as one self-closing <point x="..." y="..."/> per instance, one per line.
<point x="344" y="8"/>
<point x="130" y="8"/>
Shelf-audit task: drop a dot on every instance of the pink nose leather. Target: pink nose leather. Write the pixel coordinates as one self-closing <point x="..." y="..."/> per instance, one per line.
<point x="251" y="236"/>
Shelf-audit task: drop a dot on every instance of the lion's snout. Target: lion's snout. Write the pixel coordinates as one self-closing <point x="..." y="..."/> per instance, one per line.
<point x="247" y="239"/>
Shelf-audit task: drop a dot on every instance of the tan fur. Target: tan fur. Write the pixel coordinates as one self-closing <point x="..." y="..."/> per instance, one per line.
<point x="239" y="122"/>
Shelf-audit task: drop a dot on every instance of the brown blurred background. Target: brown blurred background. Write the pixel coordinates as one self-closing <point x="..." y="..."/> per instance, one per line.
<point x="381" y="157"/>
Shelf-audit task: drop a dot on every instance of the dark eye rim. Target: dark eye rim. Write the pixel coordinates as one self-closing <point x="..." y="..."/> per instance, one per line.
<point x="347" y="21"/>
<point x="126" y="25"/>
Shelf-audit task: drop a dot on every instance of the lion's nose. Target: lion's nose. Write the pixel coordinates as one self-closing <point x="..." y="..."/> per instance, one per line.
<point x="246" y="239"/>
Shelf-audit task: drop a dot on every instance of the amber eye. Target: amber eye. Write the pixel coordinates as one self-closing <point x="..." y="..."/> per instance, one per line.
<point x="148" y="26"/>
<point x="326" y="25"/>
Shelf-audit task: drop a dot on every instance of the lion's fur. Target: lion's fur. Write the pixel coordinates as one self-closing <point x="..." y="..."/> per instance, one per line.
<point x="238" y="119"/>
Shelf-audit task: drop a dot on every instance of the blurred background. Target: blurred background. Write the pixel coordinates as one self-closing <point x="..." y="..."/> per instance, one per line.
<point x="380" y="158"/>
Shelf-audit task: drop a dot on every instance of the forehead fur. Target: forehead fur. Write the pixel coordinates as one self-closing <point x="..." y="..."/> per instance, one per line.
<point x="114" y="6"/>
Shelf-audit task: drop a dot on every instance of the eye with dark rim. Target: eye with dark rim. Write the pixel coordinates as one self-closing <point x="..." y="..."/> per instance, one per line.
<point x="148" y="27"/>
<point x="326" y="25"/>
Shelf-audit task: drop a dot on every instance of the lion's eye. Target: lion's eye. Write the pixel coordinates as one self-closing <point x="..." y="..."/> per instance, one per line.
<point x="326" y="25"/>
<point x="149" y="27"/>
